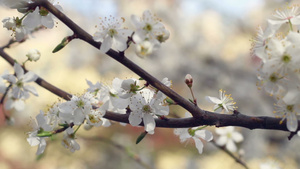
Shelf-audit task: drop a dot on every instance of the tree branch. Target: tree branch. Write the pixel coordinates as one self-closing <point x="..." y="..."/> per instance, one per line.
<point x="201" y="117"/>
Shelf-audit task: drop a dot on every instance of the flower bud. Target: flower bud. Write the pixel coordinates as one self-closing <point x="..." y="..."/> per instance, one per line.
<point x="189" y="80"/>
<point x="33" y="55"/>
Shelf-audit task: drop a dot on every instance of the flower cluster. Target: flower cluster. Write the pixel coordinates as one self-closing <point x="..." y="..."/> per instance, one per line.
<point x="31" y="18"/>
<point x="144" y="104"/>
<point x="278" y="74"/>
<point x="148" y="35"/>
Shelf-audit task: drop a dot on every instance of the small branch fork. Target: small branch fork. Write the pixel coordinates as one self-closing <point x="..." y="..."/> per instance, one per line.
<point x="200" y="117"/>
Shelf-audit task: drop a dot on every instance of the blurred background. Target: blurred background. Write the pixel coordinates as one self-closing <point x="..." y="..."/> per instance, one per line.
<point x="210" y="39"/>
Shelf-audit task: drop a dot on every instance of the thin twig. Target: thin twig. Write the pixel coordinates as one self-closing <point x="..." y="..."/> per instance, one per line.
<point x="230" y="154"/>
<point x="132" y="155"/>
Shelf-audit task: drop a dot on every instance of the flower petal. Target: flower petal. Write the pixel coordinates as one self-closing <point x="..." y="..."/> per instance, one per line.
<point x="199" y="144"/>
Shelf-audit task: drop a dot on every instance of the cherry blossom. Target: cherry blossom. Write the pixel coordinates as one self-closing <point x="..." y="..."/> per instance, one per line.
<point x="19" y="87"/>
<point x="195" y="133"/>
<point x="15" y="24"/>
<point x="225" y="102"/>
<point x="111" y="34"/>
<point x="228" y="138"/>
<point x="144" y="107"/>
<point x="40" y="16"/>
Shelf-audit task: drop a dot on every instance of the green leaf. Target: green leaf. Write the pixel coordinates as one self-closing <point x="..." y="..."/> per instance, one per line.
<point x="141" y="137"/>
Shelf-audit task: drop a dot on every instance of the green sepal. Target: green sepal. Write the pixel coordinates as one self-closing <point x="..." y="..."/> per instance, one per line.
<point x="141" y="137"/>
<point x="44" y="134"/>
<point x="170" y="101"/>
<point x="64" y="125"/>
<point x="62" y="44"/>
<point x="39" y="157"/>
<point x="141" y="78"/>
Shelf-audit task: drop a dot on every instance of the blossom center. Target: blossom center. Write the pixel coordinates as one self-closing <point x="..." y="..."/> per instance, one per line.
<point x="148" y="27"/>
<point x="147" y="109"/>
<point x="273" y="78"/>
<point x="112" y="32"/>
<point x="20" y="84"/>
<point x="80" y="103"/>
<point x="290" y="108"/>
<point x="43" y="11"/>
<point x="191" y="132"/>
<point x="286" y="58"/>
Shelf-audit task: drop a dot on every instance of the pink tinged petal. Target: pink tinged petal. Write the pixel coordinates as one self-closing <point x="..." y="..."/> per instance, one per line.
<point x="237" y="137"/>
<point x="204" y="134"/>
<point x="213" y="100"/>
<point x="199" y="144"/>
<point x="31" y="89"/>
<point x="18" y="70"/>
<point x="135" y="119"/>
<point x="222" y="140"/>
<point x="292" y="122"/>
<point x="29" y="77"/>
<point x="106" y="44"/>
<point x="231" y="146"/>
<point x="32" y="19"/>
<point x="47" y="21"/>
<point x="149" y="122"/>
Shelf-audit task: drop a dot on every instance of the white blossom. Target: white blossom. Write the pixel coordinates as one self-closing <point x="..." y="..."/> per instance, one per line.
<point x="288" y="15"/>
<point x="228" y="138"/>
<point x="111" y="34"/>
<point x="33" y="138"/>
<point x="19" y="87"/>
<point x="225" y="102"/>
<point x="40" y="16"/>
<point x="144" y="107"/>
<point x="196" y="133"/>
<point x="70" y="143"/>
<point x="15" y="24"/>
